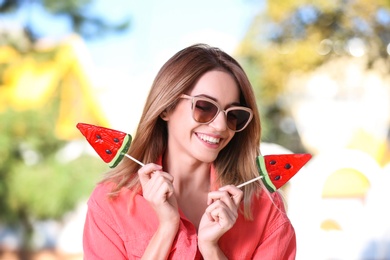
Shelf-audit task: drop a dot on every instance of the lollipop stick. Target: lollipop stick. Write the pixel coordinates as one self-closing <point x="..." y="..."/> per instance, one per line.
<point x="135" y="160"/>
<point x="250" y="181"/>
<point x="239" y="186"/>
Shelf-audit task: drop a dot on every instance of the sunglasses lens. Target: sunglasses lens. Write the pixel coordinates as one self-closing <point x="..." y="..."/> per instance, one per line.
<point x="204" y="111"/>
<point x="237" y="119"/>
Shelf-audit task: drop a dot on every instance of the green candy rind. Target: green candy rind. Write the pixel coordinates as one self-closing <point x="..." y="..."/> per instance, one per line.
<point x="263" y="172"/>
<point x="121" y="151"/>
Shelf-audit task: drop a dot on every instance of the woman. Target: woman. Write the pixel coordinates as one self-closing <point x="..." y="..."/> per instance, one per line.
<point x="199" y="135"/>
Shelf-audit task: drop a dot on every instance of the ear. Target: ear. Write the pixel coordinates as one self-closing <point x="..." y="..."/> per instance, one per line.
<point x="164" y="115"/>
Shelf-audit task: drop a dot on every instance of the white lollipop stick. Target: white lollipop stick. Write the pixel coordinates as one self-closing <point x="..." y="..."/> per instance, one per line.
<point x="239" y="186"/>
<point x="135" y="160"/>
<point x="250" y="181"/>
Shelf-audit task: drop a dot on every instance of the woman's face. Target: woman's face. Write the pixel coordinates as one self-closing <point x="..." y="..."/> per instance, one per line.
<point x="194" y="140"/>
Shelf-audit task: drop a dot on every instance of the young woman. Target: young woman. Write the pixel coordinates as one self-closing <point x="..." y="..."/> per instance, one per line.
<point x="199" y="136"/>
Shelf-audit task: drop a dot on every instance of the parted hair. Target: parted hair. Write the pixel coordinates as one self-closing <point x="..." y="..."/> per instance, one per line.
<point x="235" y="164"/>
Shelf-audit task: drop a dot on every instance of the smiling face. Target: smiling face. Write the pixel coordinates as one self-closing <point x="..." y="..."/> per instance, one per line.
<point x="189" y="140"/>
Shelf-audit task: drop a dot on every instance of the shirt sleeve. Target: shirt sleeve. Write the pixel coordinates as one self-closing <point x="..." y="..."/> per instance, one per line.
<point x="100" y="239"/>
<point x="281" y="244"/>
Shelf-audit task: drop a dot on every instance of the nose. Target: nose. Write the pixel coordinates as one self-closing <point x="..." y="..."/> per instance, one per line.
<point x="219" y="123"/>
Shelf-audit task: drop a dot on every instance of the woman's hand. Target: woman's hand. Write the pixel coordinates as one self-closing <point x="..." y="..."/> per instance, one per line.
<point x="219" y="217"/>
<point x="157" y="188"/>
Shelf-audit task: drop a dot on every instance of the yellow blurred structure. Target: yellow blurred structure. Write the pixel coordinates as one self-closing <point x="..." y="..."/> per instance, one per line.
<point x="376" y="147"/>
<point x="339" y="196"/>
<point x="330" y="224"/>
<point x="30" y="83"/>
<point x="346" y="183"/>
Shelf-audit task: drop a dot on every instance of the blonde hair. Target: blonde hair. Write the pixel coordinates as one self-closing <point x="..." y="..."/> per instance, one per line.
<point x="235" y="164"/>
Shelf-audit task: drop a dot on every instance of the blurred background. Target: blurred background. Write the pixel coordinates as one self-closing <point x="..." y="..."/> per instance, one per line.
<point x="321" y="74"/>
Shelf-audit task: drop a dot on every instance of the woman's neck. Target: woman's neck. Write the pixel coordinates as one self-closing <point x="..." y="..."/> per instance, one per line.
<point x="191" y="184"/>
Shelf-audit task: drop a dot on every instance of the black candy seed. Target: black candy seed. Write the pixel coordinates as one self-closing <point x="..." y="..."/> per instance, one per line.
<point x="98" y="136"/>
<point x="273" y="162"/>
<point x="277" y="177"/>
<point x="287" y="166"/>
<point x="116" y="140"/>
<point x="108" y="151"/>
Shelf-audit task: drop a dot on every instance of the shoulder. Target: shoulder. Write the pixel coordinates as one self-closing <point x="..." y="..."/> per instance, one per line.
<point x="101" y="190"/>
<point x="272" y="229"/>
<point x="119" y="207"/>
<point x="278" y="232"/>
<point x="271" y="201"/>
<point x="100" y="194"/>
<point x="269" y="209"/>
<point x="268" y="212"/>
<point x="100" y="200"/>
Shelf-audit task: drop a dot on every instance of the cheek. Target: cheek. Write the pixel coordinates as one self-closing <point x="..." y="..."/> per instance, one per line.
<point x="182" y="115"/>
<point x="230" y="138"/>
<point x="179" y="121"/>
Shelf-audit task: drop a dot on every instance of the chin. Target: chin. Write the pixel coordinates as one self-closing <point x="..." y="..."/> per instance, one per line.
<point x="207" y="158"/>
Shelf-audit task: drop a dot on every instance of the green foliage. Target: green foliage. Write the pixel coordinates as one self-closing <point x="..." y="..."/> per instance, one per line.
<point x="65" y="6"/>
<point x="49" y="189"/>
<point x="295" y="37"/>
<point x="35" y="181"/>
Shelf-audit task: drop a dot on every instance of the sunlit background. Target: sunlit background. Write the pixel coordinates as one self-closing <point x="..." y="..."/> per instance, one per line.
<point x="321" y="74"/>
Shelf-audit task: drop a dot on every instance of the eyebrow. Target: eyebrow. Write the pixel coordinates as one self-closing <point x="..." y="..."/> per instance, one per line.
<point x="214" y="99"/>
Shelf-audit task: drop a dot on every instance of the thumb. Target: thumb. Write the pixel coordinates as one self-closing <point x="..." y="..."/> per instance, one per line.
<point x="145" y="172"/>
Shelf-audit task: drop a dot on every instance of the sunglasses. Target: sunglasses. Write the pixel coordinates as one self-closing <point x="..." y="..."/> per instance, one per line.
<point x="205" y="110"/>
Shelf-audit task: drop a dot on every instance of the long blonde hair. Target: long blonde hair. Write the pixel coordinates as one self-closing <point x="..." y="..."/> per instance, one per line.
<point x="235" y="163"/>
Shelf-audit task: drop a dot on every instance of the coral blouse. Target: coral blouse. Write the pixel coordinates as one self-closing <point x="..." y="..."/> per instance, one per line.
<point x="121" y="229"/>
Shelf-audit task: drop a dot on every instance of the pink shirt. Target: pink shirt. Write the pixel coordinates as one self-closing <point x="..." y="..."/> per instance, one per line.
<point x="118" y="229"/>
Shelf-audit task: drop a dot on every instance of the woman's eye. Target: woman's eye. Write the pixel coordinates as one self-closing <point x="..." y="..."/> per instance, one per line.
<point x="232" y="115"/>
<point x="205" y="106"/>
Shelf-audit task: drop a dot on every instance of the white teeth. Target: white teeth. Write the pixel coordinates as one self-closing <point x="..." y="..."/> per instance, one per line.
<point x="209" y="139"/>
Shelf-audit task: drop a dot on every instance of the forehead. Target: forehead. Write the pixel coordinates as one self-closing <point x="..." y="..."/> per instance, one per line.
<point x="217" y="84"/>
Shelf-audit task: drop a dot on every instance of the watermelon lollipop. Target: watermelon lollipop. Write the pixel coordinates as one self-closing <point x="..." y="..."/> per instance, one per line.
<point x="111" y="145"/>
<point x="277" y="170"/>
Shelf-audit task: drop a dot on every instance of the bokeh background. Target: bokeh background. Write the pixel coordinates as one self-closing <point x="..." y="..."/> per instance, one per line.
<point x="321" y="74"/>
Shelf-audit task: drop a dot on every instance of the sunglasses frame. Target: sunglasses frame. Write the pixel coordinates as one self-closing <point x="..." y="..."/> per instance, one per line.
<point x="194" y="99"/>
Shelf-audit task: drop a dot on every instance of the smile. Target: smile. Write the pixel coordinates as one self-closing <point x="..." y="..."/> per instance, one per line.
<point x="209" y="139"/>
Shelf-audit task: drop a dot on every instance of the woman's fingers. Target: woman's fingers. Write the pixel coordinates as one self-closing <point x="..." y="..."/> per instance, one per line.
<point x="223" y="204"/>
<point x="229" y="194"/>
<point x="161" y="183"/>
<point x="145" y="172"/>
<point x="158" y="191"/>
<point x="235" y="193"/>
<point x="156" y="184"/>
<point x="219" y="211"/>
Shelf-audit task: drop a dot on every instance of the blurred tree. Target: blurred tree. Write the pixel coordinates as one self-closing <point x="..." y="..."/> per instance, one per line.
<point x="41" y="100"/>
<point x="38" y="181"/>
<point x="44" y="91"/>
<point x="76" y="12"/>
<point x="293" y="36"/>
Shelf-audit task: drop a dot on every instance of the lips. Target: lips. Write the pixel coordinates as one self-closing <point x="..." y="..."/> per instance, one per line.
<point x="209" y="139"/>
